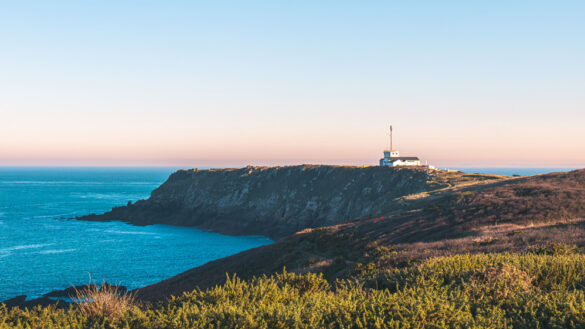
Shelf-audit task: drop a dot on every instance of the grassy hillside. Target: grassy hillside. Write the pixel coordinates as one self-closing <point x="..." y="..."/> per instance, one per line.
<point x="493" y="217"/>
<point x="541" y="288"/>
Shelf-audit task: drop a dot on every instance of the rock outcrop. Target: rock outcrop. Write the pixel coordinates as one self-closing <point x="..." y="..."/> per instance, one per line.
<point x="278" y="201"/>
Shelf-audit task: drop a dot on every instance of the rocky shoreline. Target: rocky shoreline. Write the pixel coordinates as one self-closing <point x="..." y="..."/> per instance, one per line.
<point x="58" y="298"/>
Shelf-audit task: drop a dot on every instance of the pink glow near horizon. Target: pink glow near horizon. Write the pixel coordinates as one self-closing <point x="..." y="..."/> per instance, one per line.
<point x="240" y="148"/>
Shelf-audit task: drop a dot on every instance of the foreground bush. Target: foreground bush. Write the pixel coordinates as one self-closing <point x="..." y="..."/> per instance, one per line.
<point x="533" y="290"/>
<point x="105" y="302"/>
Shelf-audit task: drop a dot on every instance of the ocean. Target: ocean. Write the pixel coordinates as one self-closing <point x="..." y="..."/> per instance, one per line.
<point x="512" y="171"/>
<point x="42" y="250"/>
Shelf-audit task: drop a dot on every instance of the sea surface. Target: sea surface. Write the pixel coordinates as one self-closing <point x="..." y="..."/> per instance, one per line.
<point x="41" y="250"/>
<point x="512" y="171"/>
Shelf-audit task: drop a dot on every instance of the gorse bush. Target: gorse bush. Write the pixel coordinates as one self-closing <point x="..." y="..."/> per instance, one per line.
<point x="556" y="248"/>
<point x="307" y="283"/>
<point x="466" y="291"/>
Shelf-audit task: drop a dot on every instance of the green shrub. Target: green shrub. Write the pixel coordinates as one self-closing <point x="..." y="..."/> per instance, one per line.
<point x="529" y="290"/>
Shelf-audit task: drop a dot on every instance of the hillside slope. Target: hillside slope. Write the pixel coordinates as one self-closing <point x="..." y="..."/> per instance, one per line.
<point x="508" y="215"/>
<point x="279" y="201"/>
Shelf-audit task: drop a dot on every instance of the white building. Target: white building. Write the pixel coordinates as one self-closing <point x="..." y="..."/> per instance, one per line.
<point x="392" y="157"/>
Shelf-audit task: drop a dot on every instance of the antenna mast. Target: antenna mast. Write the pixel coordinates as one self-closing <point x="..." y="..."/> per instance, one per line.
<point x="390" y="137"/>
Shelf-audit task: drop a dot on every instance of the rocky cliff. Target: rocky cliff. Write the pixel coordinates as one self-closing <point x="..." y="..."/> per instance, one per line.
<point x="278" y="201"/>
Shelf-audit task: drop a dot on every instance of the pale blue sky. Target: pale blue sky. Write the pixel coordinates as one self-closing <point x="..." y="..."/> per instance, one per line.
<point x="194" y="83"/>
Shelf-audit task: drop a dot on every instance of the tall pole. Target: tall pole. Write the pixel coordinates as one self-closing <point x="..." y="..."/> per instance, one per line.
<point x="390" y="137"/>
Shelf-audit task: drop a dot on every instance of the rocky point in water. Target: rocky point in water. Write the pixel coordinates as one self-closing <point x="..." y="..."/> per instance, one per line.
<point x="278" y="201"/>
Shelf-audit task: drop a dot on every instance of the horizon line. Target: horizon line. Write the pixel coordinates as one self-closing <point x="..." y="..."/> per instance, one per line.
<point x="286" y="165"/>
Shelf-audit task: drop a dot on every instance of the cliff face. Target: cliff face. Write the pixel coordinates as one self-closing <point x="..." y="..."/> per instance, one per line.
<point x="278" y="201"/>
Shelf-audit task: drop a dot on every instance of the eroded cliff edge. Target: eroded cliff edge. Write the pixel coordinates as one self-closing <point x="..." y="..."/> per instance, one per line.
<point x="278" y="201"/>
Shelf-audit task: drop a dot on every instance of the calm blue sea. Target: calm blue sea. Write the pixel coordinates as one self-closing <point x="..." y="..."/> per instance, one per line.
<point x="40" y="251"/>
<point x="512" y="171"/>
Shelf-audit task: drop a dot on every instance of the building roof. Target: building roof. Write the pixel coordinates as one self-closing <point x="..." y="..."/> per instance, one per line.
<point x="402" y="158"/>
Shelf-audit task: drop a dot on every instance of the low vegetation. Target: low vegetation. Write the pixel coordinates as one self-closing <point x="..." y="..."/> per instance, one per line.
<point x="540" y="288"/>
<point x="106" y="301"/>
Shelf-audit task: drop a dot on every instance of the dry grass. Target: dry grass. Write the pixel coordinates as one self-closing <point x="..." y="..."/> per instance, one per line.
<point x="504" y="280"/>
<point x="106" y="301"/>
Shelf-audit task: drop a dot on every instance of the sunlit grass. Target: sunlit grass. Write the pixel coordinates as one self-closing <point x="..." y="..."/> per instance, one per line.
<point x="537" y="289"/>
<point x="106" y="301"/>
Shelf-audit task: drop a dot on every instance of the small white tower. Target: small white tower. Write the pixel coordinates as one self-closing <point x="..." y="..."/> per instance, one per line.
<point x="390" y="153"/>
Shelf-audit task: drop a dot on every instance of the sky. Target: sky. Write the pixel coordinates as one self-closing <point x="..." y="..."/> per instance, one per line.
<point x="232" y="83"/>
